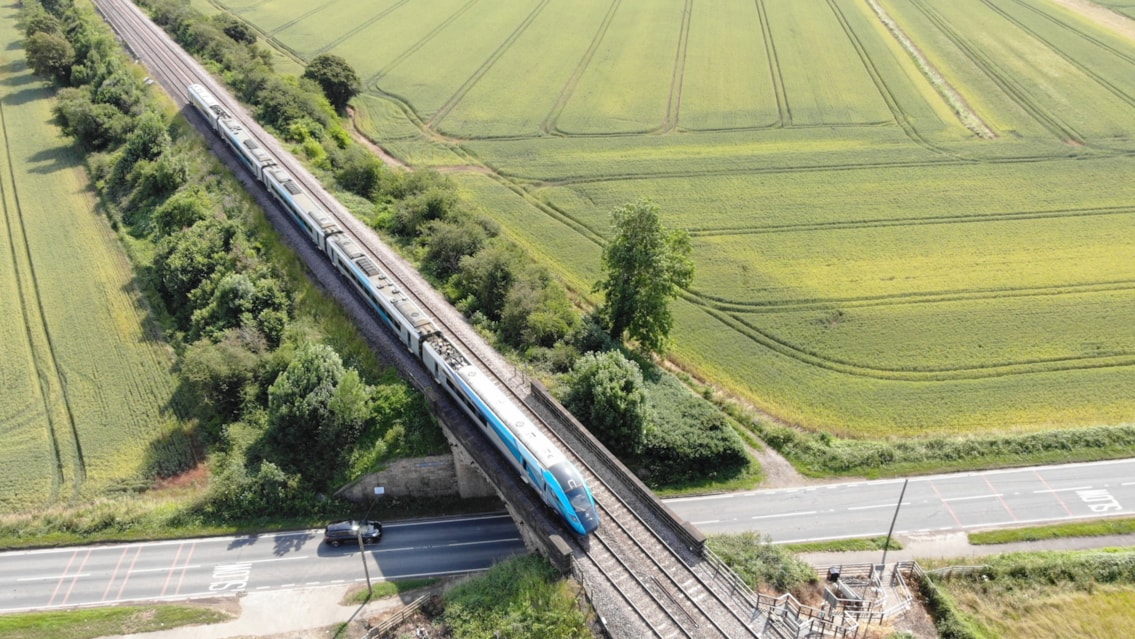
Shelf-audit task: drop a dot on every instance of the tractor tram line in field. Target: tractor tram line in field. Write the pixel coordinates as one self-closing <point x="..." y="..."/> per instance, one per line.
<point x="447" y="107"/>
<point x="549" y="125"/>
<point x="678" y="77"/>
<point x="372" y="81"/>
<point x="349" y="33"/>
<point x="66" y="448"/>
<point x="1011" y="87"/>
<point x="625" y="563"/>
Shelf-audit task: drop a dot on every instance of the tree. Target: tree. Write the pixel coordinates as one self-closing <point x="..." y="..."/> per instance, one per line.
<point x="316" y="411"/>
<point x="645" y="264"/>
<point x="42" y="22"/>
<point x="606" y="393"/>
<point x="485" y="278"/>
<point x="235" y="28"/>
<point x="447" y="242"/>
<point x="94" y="126"/>
<point x="537" y="311"/>
<point x="51" y="55"/>
<point x="337" y="78"/>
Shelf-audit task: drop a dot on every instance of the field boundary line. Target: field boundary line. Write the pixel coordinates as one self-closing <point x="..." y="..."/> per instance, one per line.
<point x="568" y="90"/>
<point x="52" y="381"/>
<point x="446" y="108"/>
<point x="271" y="40"/>
<point x="678" y="77"/>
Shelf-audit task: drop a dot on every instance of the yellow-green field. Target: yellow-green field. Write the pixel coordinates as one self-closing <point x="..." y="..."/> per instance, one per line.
<point x="85" y="386"/>
<point x="909" y="216"/>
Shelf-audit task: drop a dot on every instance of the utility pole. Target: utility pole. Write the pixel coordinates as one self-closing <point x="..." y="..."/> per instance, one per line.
<point x="887" y="545"/>
<point x="363" y="548"/>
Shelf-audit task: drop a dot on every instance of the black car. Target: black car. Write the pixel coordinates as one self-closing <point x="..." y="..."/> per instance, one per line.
<point x="348" y="532"/>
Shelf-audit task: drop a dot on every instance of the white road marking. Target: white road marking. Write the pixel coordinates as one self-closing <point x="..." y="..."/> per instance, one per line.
<point x="1060" y="490"/>
<point x="989" y="496"/>
<point x="805" y="512"/>
<point x="905" y="503"/>
<point x="82" y="574"/>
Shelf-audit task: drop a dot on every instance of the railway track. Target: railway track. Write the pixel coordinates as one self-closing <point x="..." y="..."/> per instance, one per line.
<point x="640" y="585"/>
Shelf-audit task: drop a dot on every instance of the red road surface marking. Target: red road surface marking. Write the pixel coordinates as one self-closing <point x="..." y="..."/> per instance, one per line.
<point x="184" y="568"/>
<point x="945" y="503"/>
<point x="114" y="575"/>
<point x="172" y="568"/>
<point x="126" y="577"/>
<point x="75" y="579"/>
<point x="62" y="577"/>
<point x="1000" y="499"/>
<point x="1053" y="492"/>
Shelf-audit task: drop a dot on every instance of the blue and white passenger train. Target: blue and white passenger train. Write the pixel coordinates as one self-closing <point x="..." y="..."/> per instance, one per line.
<point x="541" y="464"/>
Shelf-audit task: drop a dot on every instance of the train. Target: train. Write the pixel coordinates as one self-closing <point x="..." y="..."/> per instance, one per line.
<point x="541" y="464"/>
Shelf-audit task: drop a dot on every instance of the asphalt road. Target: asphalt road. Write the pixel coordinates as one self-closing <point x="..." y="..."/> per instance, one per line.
<point x="964" y="501"/>
<point x="186" y="569"/>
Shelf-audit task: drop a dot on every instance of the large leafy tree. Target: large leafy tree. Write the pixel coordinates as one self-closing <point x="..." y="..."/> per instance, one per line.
<point x="316" y="410"/>
<point x="51" y="55"/>
<point x="606" y="393"/>
<point x="336" y="77"/>
<point x="644" y="266"/>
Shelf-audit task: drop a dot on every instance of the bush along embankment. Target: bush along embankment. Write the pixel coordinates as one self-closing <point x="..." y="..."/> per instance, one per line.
<point x="819" y="454"/>
<point x="515" y="302"/>
<point x="284" y="417"/>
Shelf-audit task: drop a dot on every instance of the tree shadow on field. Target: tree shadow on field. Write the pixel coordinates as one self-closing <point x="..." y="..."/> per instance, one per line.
<point x="173" y="451"/>
<point x="56" y="158"/>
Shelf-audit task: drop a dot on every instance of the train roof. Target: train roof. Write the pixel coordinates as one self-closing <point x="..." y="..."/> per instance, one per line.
<point x="302" y="199"/>
<point x="507" y="412"/>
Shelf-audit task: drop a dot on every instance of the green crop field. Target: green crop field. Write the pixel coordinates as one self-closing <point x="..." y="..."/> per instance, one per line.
<point x="909" y="217"/>
<point x="86" y="388"/>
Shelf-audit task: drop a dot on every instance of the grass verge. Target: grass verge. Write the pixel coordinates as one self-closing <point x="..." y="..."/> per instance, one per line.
<point x="101" y="622"/>
<point x="389" y="589"/>
<point x="1096" y="528"/>
<point x="845" y="545"/>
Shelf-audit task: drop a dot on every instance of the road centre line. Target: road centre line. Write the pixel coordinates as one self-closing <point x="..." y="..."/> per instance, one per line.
<point x="141" y="570"/>
<point x="804" y="512"/>
<point x="482" y="543"/>
<point x="905" y="503"/>
<point x="82" y="574"/>
<point x="1063" y="490"/>
<point x="264" y="561"/>
<point x="989" y="496"/>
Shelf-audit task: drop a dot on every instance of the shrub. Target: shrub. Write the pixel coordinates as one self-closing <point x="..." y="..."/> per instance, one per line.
<point x="689" y="439"/>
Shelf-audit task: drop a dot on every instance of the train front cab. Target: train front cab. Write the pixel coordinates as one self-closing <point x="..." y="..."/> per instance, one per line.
<point x="582" y="517"/>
